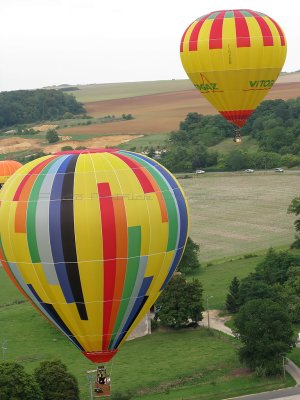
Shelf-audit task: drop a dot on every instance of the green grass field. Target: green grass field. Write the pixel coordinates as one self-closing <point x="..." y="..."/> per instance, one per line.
<point x="216" y="278"/>
<point x="238" y="213"/>
<point x="159" y="139"/>
<point x="172" y="365"/>
<point x="110" y="91"/>
<point x="227" y="145"/>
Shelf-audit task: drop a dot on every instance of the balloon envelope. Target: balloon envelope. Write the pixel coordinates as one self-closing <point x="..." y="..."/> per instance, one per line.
<point x="7" y="168"/>
<point x="91" y="238"/>
<point x="233" y="57"/>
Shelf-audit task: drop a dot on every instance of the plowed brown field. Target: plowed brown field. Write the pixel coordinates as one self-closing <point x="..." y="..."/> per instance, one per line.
<point x="159" y="113"/>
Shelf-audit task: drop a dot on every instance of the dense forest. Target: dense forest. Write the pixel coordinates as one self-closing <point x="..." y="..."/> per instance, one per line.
<point x="274" y="126"/>
<point x="27" y="106"/>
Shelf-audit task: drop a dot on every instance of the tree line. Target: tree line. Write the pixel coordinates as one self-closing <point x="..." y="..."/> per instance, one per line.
<point x="275" y="126"/>
<point x="28" y="106"/>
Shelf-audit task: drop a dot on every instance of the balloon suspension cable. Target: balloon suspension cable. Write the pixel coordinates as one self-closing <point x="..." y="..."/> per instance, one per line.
<point x="237" y="136"/>
<point x="110" y="372"/>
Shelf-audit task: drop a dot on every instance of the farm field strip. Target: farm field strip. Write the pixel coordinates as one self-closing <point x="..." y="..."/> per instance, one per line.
<point x="159" y="113"/>
<point x="238" y="214"/>
<point x="109" y="91"/>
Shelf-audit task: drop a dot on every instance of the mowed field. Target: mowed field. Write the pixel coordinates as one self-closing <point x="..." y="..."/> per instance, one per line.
<point x="238" y="213"/>
<point x="159" y="112"/>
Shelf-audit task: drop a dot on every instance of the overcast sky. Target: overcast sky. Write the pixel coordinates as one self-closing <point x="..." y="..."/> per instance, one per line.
<point x="51" y="42"/>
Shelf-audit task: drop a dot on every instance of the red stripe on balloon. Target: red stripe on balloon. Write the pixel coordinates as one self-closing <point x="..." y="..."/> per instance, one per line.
<point x="139" y="173"/>
<point x="193" y="42"/>
<point x="280" y="32"/>
<point x="241" y="29"/>
<point x="183" y="37"/>
<point x="265" y="29"/>
<point x="109" y="255"/>
<point x="215" y="37"/>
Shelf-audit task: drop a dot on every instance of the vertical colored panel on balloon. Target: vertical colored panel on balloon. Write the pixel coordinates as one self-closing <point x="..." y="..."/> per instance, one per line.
<point x="31" y="214"/>
<point x="68" y="237"/>
<point x="133" y="262"/>
<point x="22" y="195"/>
<point x="109" y="253"/>
<point x="42" y="222"/>
<point x="121" y="257"/>
<point x="139" y="302"/>
<point x="215" y="37"/>
<point x="193" y="41"/>
<point x="242" y="31"/>
<point x="229" y="53"/>
<point x="56" y="232"/>
<point x="87" y="224"/>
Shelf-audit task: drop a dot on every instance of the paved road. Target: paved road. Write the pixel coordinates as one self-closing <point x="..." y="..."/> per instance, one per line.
<point x="216" y="322"/>
<point x="282" y="394"/>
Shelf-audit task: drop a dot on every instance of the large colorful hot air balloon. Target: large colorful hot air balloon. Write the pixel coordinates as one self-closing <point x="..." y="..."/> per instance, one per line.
<point x="233" y="57"/>
<point x="7" y="168"/>
<point x="91" y="238"/>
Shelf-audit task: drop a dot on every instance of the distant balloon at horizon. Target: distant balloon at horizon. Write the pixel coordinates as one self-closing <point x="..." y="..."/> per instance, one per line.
<point x="233" y="57"/>
<point x="91" y="238"/>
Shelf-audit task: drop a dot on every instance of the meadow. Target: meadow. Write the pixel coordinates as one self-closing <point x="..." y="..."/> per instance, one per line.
<point x="238" y="213"/>
<point x="109" y="91"/>
<point x="185" y="364"/>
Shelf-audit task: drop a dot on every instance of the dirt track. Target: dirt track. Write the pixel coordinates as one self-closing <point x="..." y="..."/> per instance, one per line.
<point x="9" y="145"/>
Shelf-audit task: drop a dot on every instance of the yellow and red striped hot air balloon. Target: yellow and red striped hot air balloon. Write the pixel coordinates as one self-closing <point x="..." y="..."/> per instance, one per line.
<point x="7" y="168"/>
<point x="233" y="57"/>
<point x="91" y="238"/>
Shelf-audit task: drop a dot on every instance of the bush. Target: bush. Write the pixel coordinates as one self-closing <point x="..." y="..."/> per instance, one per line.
<point x="122" y="396"/>
<point x="16" y="384"/>
<point x="52" y="136"/>
<point x="56" y="382"/>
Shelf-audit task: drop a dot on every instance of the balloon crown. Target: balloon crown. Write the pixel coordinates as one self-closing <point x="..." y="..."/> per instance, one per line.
<point x="88" y="151"/>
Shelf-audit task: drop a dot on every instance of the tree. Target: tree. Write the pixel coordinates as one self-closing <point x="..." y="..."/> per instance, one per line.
<point x="17" y="384"/>
<point x="236" y="160"/>
<point x="56" y="382"/>
<point x="232" y="299"/>
<point x="180" y="303"/>
<point x="52" y="136"/>
<point x="266" y="334"/>
<point x="254" y="287"/>
<point x="275" y="266"/>
<point x="294" y="208"/>
<point x="66" y="148"/>
<point x="189" y="261"/>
